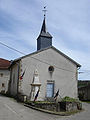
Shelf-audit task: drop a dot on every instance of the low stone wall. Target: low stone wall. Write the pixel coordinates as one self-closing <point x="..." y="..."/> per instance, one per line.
<point x="22" y="98"/>
<point x="47" y="106"/>
<point x="70" y="106"/>
<point x="58" y="107"/>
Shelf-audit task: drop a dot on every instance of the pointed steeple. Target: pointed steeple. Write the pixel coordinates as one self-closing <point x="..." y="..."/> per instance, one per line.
<point x="44" y="32"/>
<point x="43" y="29"/>
<point x="45" y="39"/>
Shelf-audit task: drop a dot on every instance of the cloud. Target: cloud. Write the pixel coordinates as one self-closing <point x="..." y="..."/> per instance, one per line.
<point x="68" y="21"/>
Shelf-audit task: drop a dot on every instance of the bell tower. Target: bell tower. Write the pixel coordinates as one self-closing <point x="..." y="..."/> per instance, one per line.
<point x="44" y="39"/>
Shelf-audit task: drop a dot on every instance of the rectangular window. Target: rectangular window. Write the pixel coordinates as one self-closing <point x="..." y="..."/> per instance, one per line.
<point x="50" y="89"/>
<point x="1" y="74"/>
<point x="3" y="85"/>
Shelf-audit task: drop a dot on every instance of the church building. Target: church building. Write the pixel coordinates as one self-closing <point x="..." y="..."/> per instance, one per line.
<point x="44" y="72"/>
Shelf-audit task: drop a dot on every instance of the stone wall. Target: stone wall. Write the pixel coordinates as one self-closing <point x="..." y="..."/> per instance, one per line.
<point x="58" y="107"/>
<point x="48" y="106"/>
<point x="70" y="106"/>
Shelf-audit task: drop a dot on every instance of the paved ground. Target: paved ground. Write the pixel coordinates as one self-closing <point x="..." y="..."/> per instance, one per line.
<point x="11" y="110"/>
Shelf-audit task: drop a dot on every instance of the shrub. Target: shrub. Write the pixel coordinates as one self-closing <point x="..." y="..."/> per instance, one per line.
<point x="68" y="99"/>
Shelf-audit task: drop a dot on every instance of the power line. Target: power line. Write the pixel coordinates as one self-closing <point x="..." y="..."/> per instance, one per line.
<point x="12" y="48"/>
<point x="33" y="57"/>
<point x="50" y="64"/>
<point x="84" y="72"/>
<point x="84" y="75"/>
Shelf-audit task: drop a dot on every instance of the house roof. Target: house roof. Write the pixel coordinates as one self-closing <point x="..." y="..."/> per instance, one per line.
<point x="52" y="47"/>
<point x="4" y="64"/>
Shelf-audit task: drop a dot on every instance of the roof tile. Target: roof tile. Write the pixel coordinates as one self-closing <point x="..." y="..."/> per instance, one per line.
<point x="4" y="64"/>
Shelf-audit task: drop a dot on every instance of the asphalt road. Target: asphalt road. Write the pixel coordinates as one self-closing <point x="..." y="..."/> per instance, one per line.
<point x="11" y="110"/>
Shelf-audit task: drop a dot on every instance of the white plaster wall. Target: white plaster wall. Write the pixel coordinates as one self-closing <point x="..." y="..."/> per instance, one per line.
<point x="4" y="79"/>
<point x="14" y="80"/>
<point x="64" y="74"/>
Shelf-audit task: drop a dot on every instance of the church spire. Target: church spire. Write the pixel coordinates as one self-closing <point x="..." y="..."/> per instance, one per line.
<point x="43" y="29"/>
<point x="45" y="39"/>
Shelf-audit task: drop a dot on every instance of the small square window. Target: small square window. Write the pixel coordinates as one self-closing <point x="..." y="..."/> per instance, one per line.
<point x="1" y="74"/>
<point x="3" y="85"/>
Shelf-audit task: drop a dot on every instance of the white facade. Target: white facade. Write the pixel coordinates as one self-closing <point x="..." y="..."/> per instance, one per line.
<point x="13" y="86"/>
<point x="63" y="77"/>
<point x="4" y="80"/>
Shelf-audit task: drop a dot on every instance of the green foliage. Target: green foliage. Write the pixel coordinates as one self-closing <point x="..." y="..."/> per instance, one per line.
<point x="68" y="99"/>
<point x="83" y="83"/>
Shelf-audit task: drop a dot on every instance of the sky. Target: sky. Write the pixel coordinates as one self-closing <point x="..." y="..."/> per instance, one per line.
<point x="68" y="21"/>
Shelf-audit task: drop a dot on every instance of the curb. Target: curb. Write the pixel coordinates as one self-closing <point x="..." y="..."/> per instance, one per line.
<point x="51" y="112"/>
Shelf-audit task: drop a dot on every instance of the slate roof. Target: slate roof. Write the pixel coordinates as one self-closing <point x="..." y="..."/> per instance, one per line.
<point x="44" y="32"/>
<point x="4" y="64"/>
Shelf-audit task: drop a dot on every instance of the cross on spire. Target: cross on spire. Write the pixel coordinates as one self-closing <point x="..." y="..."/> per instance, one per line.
<point x="44" y="10"/>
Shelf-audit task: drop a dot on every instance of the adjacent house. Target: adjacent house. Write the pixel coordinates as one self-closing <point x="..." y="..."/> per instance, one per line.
<point x="44" y="72"/>
<point x="84" y="90"/>
<point x="4" y="75"/>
